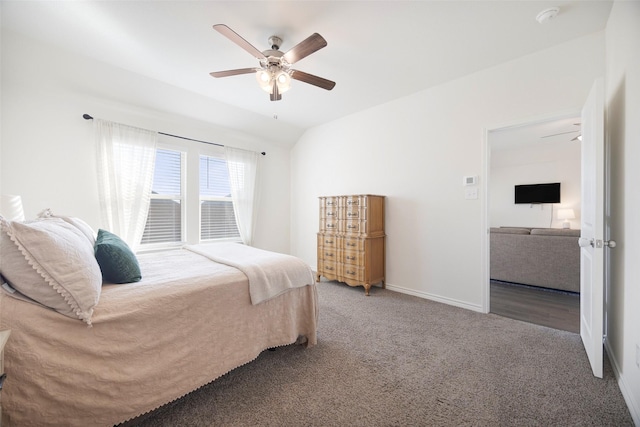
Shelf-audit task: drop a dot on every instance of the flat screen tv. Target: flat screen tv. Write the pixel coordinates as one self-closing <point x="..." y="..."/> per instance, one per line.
<point x="538" y="193"/>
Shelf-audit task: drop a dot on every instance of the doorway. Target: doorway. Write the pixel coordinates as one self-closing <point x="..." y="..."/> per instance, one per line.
<point x="546" y="150"/>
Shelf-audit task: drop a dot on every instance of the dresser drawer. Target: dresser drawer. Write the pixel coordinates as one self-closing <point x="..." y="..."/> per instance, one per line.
<point x="328" y="202"/>
<point x="328" y="254"/>
<point x="327" y="241"/>
<point x="330" y="213"/>
<point x="353" y="257"/>
<point x="327" y="268"/>
<point x="353" y="273"/>
<point x="352" y="243"/>
<point x="353" y="201"/>
<point x="328" y="225"/>
<point x="354" y="213"/>
<point x="353" y="226"/>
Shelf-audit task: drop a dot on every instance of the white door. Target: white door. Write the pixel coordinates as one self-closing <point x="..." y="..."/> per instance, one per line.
<point x="592" y="241"/>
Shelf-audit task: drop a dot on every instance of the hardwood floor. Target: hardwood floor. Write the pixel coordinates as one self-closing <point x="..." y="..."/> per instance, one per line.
<point x="555" y="309"/>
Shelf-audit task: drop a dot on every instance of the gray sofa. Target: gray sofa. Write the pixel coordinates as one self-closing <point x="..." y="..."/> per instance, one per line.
<point x="545" y="257"/>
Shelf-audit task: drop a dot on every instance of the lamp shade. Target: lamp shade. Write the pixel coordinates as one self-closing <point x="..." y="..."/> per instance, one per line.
<point x="264" y="80"/>
<point x="11" y="207"/>
<point x="267" y="77"/>
<point x="566" y="214"/>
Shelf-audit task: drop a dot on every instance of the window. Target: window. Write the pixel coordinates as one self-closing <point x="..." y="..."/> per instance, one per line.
<point x="164" y="221"/>
<point x="190" y="198"/>
<point x="217" y="218"/>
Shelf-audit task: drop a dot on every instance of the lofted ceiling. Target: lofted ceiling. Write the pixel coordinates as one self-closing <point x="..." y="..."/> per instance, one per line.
<point x="377" y="50"/>
<point x="551" y="132"/>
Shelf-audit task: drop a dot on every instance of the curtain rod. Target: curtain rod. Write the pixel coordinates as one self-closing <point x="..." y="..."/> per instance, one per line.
<point x="88" y="117"/>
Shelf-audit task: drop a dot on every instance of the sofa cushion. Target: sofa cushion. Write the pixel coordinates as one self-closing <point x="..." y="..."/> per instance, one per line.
<point x="556" y="232"/>
<point x="511" y="230"/>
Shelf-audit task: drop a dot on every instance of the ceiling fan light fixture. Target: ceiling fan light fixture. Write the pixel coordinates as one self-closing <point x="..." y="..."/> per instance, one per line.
<point x="264" y="80"/>
<point x="283" y="80"/>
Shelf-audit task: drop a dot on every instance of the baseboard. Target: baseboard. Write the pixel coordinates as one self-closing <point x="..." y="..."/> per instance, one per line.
<point x="437" y="298"/>
<point x="428" y="296"/>
<point x="624" y="389"/>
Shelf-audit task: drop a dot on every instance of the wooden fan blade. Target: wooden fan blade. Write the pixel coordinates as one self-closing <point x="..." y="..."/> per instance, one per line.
<point x="313" y="80"/>
<point x="228" y="73"/>
<point x="305" y="48"/>
<point x="237" y="39"/>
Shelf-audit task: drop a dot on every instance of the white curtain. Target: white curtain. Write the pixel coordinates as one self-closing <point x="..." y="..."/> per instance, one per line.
<point x="126" y="158"/>
<point x="243" y="176"/>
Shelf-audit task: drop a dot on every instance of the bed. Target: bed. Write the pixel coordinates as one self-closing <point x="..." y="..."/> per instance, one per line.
<point x="188" y="321"/>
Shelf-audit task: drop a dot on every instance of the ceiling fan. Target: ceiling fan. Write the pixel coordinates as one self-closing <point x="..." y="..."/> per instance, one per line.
<point x="577" y="138"/>
<point x="275" y="73"/>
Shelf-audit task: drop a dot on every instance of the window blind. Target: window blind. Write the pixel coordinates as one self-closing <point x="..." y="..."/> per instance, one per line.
<point x="164" y="220"/>
<point x="217" y="218"/>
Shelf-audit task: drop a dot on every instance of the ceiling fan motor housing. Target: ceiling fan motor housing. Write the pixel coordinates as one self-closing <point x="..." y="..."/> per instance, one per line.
<point x="274" y="57"/>
<point x="275" y="42"/>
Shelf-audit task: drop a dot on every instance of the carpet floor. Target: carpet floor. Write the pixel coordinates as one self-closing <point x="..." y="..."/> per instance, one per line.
<point x="392" y="359"/>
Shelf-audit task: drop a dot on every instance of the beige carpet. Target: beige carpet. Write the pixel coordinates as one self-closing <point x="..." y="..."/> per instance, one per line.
<point x="396" y="360"/>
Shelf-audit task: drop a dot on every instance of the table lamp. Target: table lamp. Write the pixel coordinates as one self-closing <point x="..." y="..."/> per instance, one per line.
<point x="11" y="207"/>
<point x="566" y="215"/>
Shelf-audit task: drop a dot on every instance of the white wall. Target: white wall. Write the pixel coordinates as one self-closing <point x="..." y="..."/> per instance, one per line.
<point x="534" y="165"/>
<point x="416" y="150"/>
<point x="622" y="87"/>
<point x="47" y="151"/>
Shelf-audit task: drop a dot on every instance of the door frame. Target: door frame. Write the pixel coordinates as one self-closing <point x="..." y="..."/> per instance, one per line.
<point x="486" y="185"/>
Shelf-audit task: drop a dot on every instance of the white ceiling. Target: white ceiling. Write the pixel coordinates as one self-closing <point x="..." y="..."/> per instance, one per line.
<point x="559" y="130"/>
<point x="377" y="50"/>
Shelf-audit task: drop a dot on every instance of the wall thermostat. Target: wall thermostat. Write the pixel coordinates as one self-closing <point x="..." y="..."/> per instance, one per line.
<point x="470" y="180"/>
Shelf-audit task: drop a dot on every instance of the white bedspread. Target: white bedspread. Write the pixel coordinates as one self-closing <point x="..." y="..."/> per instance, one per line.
<point x="186" y="323"/>
<point x="269" y="273"/>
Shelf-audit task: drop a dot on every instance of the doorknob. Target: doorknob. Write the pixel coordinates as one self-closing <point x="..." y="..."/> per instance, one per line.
<point x="583" y="242"/>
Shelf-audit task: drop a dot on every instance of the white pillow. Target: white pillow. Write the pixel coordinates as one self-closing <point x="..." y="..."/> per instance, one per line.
<point x="51" y="262"/>
<point x="77" y="222"/>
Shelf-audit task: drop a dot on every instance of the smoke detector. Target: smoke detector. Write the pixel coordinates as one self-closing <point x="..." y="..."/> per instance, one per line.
<point x="547" y="15"/>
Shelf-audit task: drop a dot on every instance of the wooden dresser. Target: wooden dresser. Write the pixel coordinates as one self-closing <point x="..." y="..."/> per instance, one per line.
<point x="351" y="240"/>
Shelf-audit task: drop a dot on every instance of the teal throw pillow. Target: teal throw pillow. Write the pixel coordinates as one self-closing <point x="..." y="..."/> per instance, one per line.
<point x="116" y="260"/>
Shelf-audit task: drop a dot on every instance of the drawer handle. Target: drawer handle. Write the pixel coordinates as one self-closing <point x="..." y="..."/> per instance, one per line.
<point x="330" y="203"/>
<point x="330" y="242"/>
<point x="329" y="268"/>
<point x="352" y="226"/>
<point x="351" y="258"/>
<point x="351" y="272"/>
<point x="350" y="214"/>
<point x="327" y="254"/>
<point x="351" y="244"/>
<point x="330" y="225"/>
<point x="330" y="213"/>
